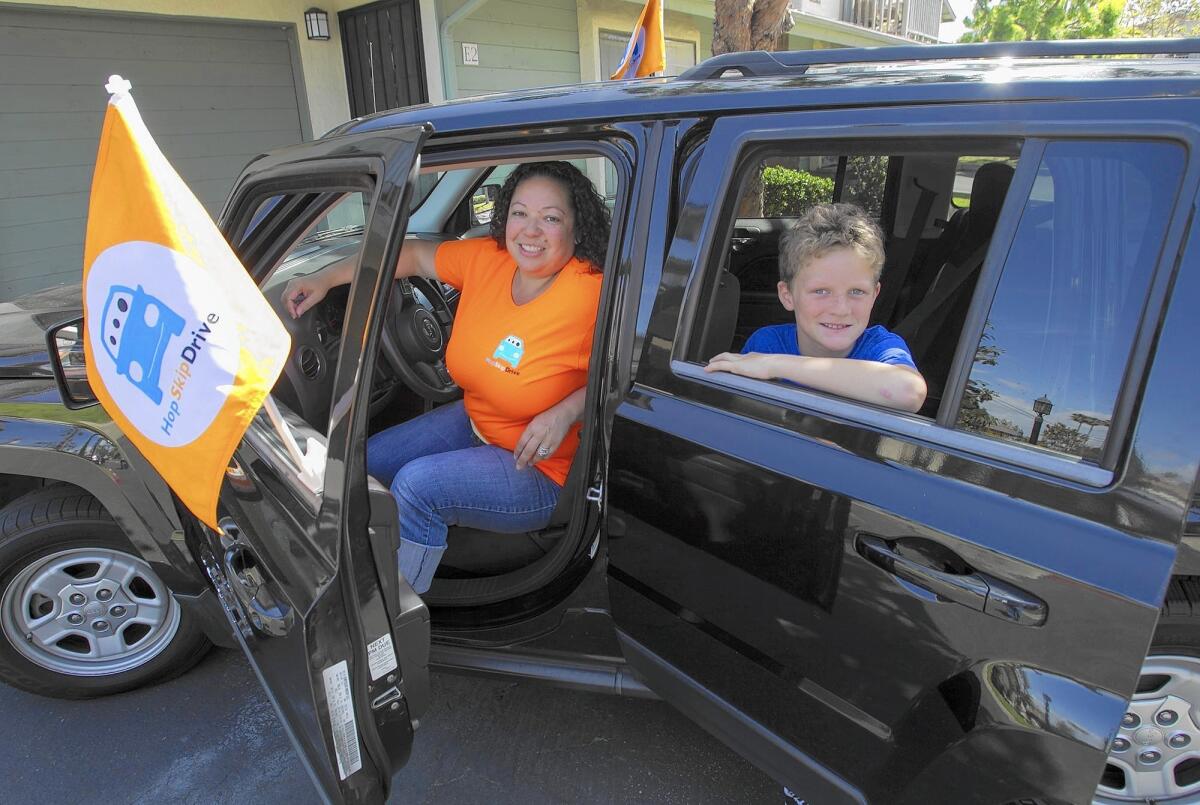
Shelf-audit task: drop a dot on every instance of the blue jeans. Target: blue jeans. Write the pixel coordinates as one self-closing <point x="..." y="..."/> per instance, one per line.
<point x="441" y="474"/>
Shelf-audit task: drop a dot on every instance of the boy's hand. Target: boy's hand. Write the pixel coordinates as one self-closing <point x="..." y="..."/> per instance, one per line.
<point x="752" y="364"/>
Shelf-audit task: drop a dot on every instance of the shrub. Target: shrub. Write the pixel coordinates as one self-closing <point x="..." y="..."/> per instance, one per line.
<point x="787" y="192"/>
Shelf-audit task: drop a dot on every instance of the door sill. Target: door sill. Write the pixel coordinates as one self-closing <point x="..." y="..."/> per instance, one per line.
<point x="592" y="676"/>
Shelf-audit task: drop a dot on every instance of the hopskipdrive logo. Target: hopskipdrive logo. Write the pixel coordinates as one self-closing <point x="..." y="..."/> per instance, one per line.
<point x="510" y="350"/>
<point x="162" y="339"/>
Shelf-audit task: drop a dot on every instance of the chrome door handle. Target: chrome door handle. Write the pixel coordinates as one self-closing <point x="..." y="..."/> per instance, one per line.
<point x="252" y="585"/>
<point x="978" y="591"/>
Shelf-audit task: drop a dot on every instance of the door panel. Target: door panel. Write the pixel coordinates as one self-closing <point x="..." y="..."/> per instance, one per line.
<point x="866" y="611"/>
<point x="308" y="577"/>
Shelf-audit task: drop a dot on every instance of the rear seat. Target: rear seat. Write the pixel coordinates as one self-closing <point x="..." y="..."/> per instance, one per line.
<point x="932" y="331"/>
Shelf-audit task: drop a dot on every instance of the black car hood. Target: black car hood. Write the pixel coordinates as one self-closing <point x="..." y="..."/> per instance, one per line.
<point x="23" y="325"/>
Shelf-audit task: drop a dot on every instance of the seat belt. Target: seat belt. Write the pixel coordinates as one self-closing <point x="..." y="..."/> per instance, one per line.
<point x="903" y="255"/>
<point x="950" y="279"/>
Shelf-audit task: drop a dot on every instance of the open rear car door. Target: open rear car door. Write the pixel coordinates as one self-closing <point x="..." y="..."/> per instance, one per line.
<point x="305" y="566"/>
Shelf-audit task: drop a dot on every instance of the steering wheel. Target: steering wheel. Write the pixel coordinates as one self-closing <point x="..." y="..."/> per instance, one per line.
<point x="415" y="338"/>
<point x="306" y="384"/>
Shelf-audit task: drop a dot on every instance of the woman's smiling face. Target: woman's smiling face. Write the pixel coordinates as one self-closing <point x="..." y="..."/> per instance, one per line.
<point x="540" y="231"/>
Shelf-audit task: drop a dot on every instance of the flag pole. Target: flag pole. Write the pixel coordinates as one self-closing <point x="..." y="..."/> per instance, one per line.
<point x="311" y="464"/>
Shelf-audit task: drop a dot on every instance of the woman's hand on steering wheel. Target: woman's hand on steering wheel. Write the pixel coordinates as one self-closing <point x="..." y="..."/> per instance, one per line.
<point x="301" y="293"/>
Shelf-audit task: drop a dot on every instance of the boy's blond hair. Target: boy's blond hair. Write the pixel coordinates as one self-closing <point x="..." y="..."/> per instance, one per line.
<point x="824" y="228"/>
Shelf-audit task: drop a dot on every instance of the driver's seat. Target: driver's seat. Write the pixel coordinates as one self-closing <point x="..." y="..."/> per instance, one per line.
<point x="472" y="552"/>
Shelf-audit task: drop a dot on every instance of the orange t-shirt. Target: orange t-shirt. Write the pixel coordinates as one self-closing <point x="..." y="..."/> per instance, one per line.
<point x="515" y="361"/>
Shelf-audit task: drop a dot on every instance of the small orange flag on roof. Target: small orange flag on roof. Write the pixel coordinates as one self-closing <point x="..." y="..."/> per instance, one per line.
<point x="646" y="52"/>
<point x="182" y="348"/>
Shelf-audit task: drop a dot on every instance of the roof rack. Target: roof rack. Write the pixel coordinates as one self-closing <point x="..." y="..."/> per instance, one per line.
<point x="797" y="62"/>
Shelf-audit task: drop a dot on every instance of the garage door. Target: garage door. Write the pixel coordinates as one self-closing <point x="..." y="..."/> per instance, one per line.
<point x="213" y="95"/>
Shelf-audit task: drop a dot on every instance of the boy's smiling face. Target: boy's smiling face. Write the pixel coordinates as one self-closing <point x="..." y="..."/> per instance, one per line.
<point x="832" y="296"/>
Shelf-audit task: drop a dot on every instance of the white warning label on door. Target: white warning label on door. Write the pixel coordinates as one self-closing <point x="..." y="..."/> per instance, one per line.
<point x="381" y="657"/>
<point x="341" y="718"/>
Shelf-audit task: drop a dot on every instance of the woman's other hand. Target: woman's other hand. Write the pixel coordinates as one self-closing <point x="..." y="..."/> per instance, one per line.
<point x="545" y="432"/>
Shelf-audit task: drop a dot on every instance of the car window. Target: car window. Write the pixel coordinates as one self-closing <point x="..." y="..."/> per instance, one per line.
<point x="893" y="184"/>
<point x="422" y="187"/>
<point x="343" y="221"/>
<point x="1052" y="358"/>
<point x="336" y="233"/>
<point x="260" y="215"/>
<point x="462" y="201"/>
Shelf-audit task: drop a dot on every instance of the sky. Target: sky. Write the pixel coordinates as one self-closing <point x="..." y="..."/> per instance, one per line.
<point x="951" y="31"/>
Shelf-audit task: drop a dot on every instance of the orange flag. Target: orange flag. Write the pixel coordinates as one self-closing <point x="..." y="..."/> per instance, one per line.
<point x="181" y="346"/>
<point x="646" y="52"/>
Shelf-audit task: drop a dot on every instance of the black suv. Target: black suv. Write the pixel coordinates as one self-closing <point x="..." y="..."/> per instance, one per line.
<point x="958" y="605"/>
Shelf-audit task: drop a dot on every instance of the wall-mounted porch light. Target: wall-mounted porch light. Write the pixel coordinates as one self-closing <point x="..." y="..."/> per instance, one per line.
<point x="316" y="23"/>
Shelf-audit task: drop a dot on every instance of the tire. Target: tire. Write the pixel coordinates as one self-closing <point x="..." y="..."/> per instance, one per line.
<point x="81" y="613"/>
<point x="1168" y="689"/>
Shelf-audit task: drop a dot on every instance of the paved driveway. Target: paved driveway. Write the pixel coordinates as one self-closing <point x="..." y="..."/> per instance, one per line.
<point x="212" y="737"/>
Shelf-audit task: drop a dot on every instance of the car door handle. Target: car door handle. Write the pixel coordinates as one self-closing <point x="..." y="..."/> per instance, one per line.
<point x="975" y="590"/>
<point x="252" y="585"/>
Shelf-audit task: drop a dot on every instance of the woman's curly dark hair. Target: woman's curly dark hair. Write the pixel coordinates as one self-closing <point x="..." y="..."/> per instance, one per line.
<point x="592" y="220"/>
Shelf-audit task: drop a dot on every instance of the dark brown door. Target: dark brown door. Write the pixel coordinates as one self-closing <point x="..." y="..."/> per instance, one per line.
<point x="385" y="66"/>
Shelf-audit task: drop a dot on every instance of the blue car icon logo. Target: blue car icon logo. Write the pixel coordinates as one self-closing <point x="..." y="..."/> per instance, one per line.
<point x="136" y="330"/>
<point x="510" y="349"/>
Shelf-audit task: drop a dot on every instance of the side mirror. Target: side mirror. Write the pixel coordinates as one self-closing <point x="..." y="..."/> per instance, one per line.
<point x="483" y="204"/>
<point x="64" y="342"/>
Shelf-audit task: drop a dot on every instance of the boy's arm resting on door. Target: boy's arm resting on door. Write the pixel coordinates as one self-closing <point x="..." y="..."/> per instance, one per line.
<point x="887" y="384"/>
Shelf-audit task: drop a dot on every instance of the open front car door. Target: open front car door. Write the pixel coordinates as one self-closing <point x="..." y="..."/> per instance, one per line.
<point x="305" y="566"/>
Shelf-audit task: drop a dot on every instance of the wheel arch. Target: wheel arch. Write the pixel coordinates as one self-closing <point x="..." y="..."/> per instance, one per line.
<point x="39" y="453"/>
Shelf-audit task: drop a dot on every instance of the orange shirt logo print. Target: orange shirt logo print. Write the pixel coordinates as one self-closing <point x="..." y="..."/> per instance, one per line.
<point x="510" y="350"/>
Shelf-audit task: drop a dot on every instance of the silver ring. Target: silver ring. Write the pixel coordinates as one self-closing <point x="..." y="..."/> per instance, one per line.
<point x="543" y="451"/>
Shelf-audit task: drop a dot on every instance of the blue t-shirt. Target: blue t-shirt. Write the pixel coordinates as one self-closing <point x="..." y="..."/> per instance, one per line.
<point x="877" y="343"/>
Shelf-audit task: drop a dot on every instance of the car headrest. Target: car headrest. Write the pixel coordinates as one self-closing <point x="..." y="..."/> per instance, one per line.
<point x="987" y="197"/>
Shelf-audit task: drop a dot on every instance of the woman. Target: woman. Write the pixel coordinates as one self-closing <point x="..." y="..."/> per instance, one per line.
<point x="497" y="459"/>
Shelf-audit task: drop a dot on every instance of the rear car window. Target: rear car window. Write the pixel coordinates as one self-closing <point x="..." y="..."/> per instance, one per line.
<point x="1052" y="358"/>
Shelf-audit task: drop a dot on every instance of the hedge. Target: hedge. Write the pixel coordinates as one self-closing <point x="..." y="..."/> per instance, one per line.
<point x="787" y="193"/>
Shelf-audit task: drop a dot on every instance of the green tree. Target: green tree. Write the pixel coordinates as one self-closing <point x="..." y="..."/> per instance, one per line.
<point x="1157" y="19"/>
<point x="1015" y="20"/>
<point x="971" y="414"/>
<point x="866" y="177"/>
<point x="1059" y="436"/>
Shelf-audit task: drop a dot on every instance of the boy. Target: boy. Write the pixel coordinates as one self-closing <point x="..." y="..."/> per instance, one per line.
<point x="829" y="267"/>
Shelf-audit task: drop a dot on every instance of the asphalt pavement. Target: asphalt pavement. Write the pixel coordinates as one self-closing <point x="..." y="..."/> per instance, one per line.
<point x="212" y="737"/>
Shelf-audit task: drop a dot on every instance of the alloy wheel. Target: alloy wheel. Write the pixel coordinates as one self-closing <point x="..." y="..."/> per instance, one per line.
<point x="1155" y="756"/>
<point x="88" y="612"/>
